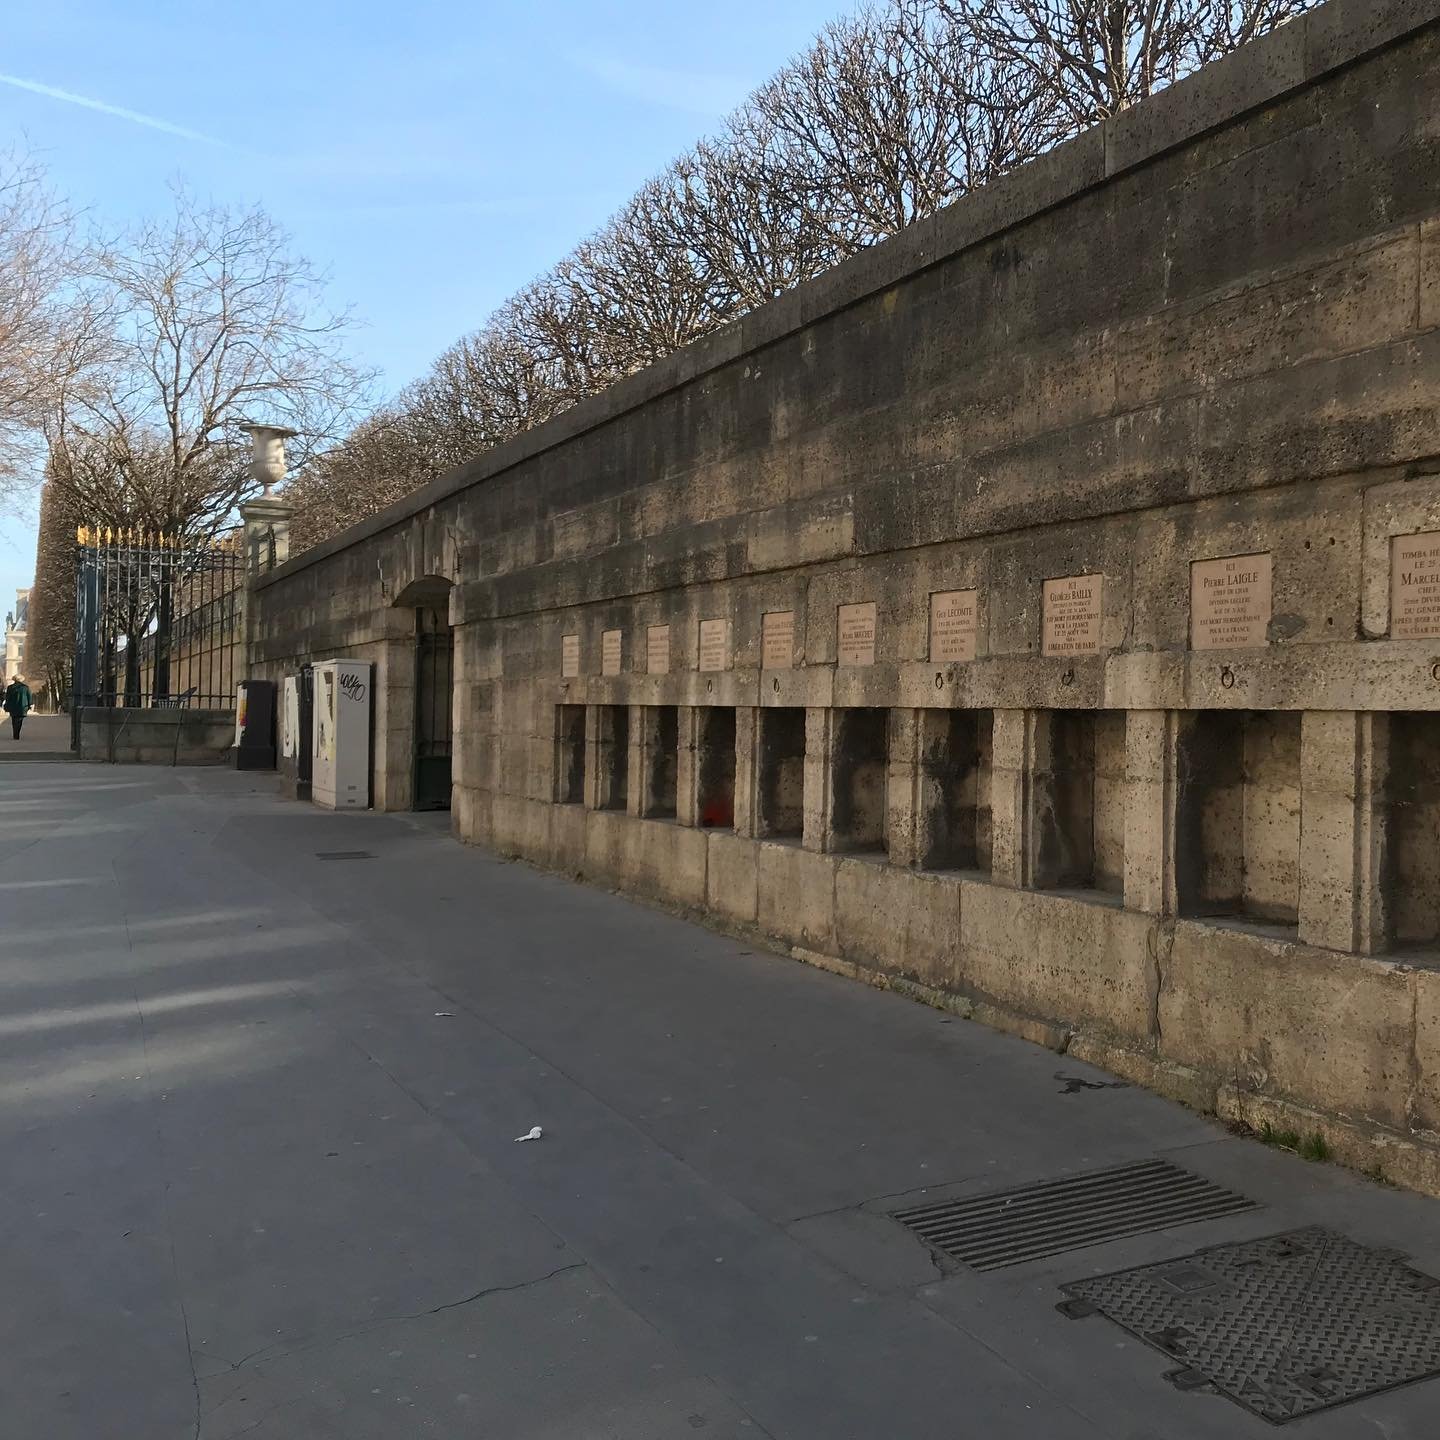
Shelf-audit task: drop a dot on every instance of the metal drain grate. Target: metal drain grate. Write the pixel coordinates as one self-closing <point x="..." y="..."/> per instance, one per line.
<point x="344" y="854"/>
<point x="1011" y="1227"/>
<point x="1284" y="1326"/>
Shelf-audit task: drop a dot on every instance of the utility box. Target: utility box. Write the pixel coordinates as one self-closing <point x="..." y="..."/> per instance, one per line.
<point x="254" y="747"/>
<point x="297" y="743"/>
<point x="340" y="775"/>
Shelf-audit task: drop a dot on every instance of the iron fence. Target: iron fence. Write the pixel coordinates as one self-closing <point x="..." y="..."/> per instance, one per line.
<point x="159" y="620"/>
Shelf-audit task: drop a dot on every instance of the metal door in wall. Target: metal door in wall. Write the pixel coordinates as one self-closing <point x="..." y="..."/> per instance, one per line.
<point x="305" y="740"/>
<point x="434" y="680"/>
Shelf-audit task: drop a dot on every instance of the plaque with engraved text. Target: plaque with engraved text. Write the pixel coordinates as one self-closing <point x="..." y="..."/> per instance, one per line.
<point x="569" y="656"/>
<point x="953" y="625"/>
<point x="777" y="640"/>
<point x="1071" y="609"/>
<point x="714" y="645"/>
<point x="611" y="648"/>
<point x="657" y="650"/>
<point x="855" y="644"/>
<point x="1230" y="602"/>
<point x="1415" y="586"/>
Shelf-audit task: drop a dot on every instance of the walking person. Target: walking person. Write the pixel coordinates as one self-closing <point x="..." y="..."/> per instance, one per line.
<point x="18" y="703"/>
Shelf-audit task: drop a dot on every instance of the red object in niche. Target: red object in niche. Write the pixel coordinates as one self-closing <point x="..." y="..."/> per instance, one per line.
<point x="718" y="812"/>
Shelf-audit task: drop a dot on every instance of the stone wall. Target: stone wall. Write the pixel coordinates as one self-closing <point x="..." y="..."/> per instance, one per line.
<point x="132" y="736"/>
<point x="1007" y="616"/>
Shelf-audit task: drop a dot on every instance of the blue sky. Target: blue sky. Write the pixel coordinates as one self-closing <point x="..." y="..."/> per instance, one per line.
<point x="432" y="155"/>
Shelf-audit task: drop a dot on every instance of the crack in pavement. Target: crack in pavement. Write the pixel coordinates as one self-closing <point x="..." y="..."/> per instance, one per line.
<point x="268" y="1353"/>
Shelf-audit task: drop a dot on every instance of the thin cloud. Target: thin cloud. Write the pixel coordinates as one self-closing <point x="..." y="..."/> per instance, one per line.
<point x="695" y="91"/>
<point x="152" y="122"/>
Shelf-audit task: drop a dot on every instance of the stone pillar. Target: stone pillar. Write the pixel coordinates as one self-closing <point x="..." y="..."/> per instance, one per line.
<point x="1374" y="931"/>
<point x="637" y="762"/>
<point x="1343" y="770"/>
<point x="902" y="820"/>
<point x="1151" y="749"/>
<point x="687" y="769"/>
<point x="267" y="534"/>
<point x="819" y="732"/>
<point x="1042" y="853"/>
<point x="394" y="680"/>
<point x="594" y="781"/>
<point x="1009" y="797"/>
<point x="746" y="769"/>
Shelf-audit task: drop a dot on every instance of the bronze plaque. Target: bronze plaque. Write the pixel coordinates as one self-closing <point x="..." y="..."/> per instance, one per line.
<point x="954" y="621"/>
<point x="777" y="640"/>
<point x="1230" y="602"/>
<point x="714" y="645"/>
<point x="657" y="650"/>
<point x="611" y="649"/>
<point x="856" y="624"/>
<point x="569" y="656"/>
<point x="1415" y="586"/>
<point x="1071" y="609"/>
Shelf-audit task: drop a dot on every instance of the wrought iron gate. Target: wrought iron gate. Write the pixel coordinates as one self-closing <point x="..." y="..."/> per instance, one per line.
<point x="434" y="684"/>
<point x="159" y="621"/>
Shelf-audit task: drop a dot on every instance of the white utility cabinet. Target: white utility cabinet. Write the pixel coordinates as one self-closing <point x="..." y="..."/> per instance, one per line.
<point x="341" y="774"/>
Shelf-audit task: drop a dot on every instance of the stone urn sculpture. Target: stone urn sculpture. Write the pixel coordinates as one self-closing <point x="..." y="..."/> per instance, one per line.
<point x="267" y="458"/>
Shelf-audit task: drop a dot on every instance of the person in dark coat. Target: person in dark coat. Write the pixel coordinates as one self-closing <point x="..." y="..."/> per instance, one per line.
<point x="18" y="703"/>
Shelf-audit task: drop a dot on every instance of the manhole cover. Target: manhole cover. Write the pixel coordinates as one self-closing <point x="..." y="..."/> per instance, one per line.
<point x="1011" y="1227"/>
<point x="1284" y="1326"/>
<point x="344" y="854"/>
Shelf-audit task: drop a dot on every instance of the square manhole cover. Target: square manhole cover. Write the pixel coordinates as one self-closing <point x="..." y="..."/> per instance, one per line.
<point x="1284" y="1326"/>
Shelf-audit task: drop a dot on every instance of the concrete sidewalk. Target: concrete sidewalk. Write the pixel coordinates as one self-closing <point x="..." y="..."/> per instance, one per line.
<point x="261" y="1074"/>
<point x="42" y="737"/>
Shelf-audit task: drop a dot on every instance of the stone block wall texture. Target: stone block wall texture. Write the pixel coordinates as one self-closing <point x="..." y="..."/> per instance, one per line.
<point x="156" y="737"/>
<point x="1206" y="858"/>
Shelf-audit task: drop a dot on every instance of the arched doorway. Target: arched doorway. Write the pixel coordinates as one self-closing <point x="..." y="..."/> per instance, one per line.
<point x="434" y="690"/>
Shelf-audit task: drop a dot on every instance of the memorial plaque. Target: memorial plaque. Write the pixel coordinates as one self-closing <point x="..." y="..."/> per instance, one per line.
<point x="714" y="645"/>
<point x="954" y="621"/>
<point x="611" y="650"/>
<point x="657" y="650"/>
<point x="1071" y="609"/>
<point x="1415" y="586"/>
<point x="777" y="640"/>
<point x="1230" y="602"/>
<point x="569" y="656"/>
<point x="856" y="644"/>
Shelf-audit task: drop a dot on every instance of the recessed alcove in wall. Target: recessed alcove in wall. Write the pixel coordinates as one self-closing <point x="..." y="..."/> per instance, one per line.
<point x="662" y="753"/>
<point x="1238" y="815"/>
<point x="780" y="788"/>
<point x="569" y="754"/>
<point x="954" y="797"/>
<point x="1412" y="877"/>
<point x="614" y="757"/>
<point x="1078" y="800"/>
<point x="859" y="772"/>
<point x="715" y="767"/>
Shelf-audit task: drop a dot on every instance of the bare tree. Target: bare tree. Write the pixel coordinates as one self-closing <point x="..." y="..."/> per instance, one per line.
<point x="195" y="325"/>
<point x="647" y="298"/>
<point x="380" y="461"/>
<point x="883" y="124"/>
<point x="51" y="640"/>
<point x="752" y="229"/>
<point x="35" y="262"/>
<point x="1094" y="58"/>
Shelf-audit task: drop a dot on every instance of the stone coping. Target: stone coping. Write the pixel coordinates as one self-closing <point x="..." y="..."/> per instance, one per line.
<point x="1291" y="58"/>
